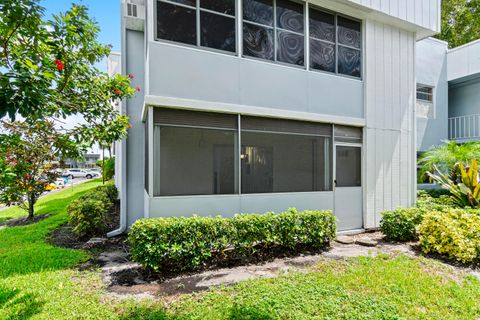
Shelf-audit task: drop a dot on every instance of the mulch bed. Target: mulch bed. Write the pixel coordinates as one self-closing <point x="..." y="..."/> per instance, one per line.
<point x="64" y="236"/>
<point x="229" y="259"/>
<point x="18" y="222"/>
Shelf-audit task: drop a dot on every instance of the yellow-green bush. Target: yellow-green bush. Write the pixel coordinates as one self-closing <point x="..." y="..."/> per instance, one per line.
<point x="454" y="233"/>
<point x="187" y="243"/>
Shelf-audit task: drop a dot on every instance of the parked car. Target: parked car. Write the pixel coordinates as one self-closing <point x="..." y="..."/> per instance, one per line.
<point x="79" y="173"/>
<point x="60" y="182"/>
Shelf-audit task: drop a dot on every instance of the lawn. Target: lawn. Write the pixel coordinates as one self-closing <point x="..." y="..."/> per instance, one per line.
<point x="39" y="281"/>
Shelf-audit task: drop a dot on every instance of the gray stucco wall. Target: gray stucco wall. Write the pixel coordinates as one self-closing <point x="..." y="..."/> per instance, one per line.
<point x="135" y="153"/>
<point x="204" y="75"/>
<point x="464" y="98"/>
<point x="432" y="71"/>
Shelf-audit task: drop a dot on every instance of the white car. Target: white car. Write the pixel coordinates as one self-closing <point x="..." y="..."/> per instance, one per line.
<point x="79" y="173"/>
<point x="59" y="182"/>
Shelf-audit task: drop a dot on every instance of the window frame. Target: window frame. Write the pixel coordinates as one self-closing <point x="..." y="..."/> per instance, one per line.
<point x="239" y="21"/>
<point x="431" y="94"/>
<point x="274" y="28"/>
<point x="330" y="167"/>
<point x="156" y="161"/>
<point x="361" y="49"/>
<point x="430" y="103"/>
<point x="198" y="11"/>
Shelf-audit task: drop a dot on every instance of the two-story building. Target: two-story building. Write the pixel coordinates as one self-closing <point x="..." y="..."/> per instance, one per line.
<point x="448" y="93"/>
<point x="261" y="105"/>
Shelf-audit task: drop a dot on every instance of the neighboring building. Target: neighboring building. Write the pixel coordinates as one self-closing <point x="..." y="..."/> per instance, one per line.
<point x="89" y="161"/>
<point x="262" y="105"/>
<point x="448" y="94"/>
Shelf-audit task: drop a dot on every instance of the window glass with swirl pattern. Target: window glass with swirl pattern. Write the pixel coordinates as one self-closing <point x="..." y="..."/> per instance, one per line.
<point x="258" y="39"/>
<point x="349" y="47"/>
<point x="290" y="32"/>
<point x="322" y="40"/>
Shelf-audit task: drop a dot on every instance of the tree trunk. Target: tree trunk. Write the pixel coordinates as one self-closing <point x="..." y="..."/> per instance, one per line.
<point x="103" y="166"/>
<point x="31" y="203"/>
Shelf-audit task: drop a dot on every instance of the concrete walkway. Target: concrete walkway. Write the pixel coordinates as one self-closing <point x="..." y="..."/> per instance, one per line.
<point x="116" y="266"/>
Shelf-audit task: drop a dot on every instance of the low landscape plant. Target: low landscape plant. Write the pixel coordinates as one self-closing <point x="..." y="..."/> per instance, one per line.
<point x="89" y="214"/>
<point x="465" y="192"/>
<point x="454" y="234"/>
<point x="400" y="224"/>
<point x="187" y="243"/>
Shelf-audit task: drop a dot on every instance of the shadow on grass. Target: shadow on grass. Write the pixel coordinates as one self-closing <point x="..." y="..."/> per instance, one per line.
<point x="21" y="306"/>
<point x="24" y="249"/>
<point x="236" y="312"/>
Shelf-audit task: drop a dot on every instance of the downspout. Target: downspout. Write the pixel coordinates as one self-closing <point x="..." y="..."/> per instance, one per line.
<point x="123" y="188"/>
<point x="122" y="150"/>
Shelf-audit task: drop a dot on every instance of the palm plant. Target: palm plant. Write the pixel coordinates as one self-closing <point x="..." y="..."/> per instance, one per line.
<point x="447" y="157"/>
<point x="467" y="191"/>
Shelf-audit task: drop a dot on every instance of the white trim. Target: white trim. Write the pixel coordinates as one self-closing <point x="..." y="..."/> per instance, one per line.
<point x="239" y="195"/>
<point x="150" y="154"/>
<point x="475" y="42"/>
<point x="202" y="105"/>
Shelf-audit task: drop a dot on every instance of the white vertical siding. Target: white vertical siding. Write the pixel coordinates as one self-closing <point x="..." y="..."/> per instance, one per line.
<point x="425" y="13"/>
<point x="389" y="139"/>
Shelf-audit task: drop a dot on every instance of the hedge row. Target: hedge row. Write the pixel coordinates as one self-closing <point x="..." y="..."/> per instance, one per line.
<point x="187" y="243"/>
<point x="89" y="214"/>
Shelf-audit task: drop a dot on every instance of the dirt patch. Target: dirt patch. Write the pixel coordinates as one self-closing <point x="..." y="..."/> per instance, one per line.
<point x="64" y="236"/>
<point x="114" y="217"/>
<point x="24" y="221"/>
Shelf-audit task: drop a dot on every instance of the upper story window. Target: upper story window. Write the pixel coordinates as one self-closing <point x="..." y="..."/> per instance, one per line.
<point x="274" y="31"/>
<point x="335" y="43"/>
<point x="206" y="23"/>
<point x="424" y="106"/>
<point x="424" y="93"/>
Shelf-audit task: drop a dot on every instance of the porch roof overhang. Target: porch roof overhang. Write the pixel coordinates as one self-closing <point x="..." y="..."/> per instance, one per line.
<point x="212" y="106"/>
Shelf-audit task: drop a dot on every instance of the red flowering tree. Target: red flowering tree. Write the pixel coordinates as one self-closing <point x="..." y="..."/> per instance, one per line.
<point x="47" y="68"/>
<point x="47" y="73"/>
<point x="29" y="151"/>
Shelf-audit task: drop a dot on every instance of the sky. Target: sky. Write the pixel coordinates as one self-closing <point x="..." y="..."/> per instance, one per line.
<point x="105" y="12"/>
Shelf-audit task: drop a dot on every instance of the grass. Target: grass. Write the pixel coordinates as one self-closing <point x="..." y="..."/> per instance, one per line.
<point x="51" y="203"/>
<point x="38" y="281"/>
<point x="362" y="288"/>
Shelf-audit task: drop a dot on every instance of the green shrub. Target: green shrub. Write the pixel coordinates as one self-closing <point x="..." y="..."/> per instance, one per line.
<point x="400" y="224"/>
<point x="108" y="168"/>
<point x="454" y="234"/>
<point x="89" y="214"/>
<point x="429" y="203"/>
<point x="110" y="190"/>
<point x="88" y="217"/>
<point x="187" y="243"/>
<point x="434" y="193"/>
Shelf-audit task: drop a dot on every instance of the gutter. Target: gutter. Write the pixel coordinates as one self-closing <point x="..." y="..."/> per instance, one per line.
<point x="123" y="143"/>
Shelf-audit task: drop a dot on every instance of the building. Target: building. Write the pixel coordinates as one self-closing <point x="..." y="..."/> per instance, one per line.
<point x="448" y="93"/>
<point x="262" y="105"/>
<point x="89" y="161"/>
